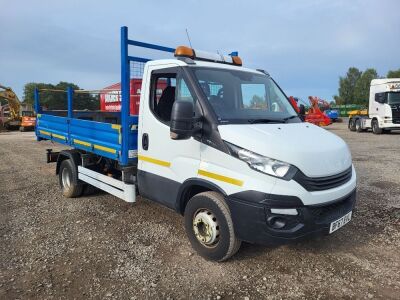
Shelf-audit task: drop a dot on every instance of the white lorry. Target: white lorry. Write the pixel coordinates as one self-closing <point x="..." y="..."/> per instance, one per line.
<point x="215" y="141"/>
<point x="383" y="113"/>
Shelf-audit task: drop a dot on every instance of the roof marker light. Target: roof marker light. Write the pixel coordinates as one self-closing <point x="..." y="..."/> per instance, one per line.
<point x="237" y="60"/>
<point x="184" y="51"/>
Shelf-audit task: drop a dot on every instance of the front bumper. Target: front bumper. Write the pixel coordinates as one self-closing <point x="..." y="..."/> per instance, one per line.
<point x="254" y="222"/>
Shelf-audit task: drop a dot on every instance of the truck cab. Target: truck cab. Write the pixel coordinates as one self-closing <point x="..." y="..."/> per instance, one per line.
<point x="383" y="109"/>
<point x="384" y="103"/>
<point x="218" y="143"/>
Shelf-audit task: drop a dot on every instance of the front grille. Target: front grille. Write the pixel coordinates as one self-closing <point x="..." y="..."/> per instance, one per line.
<point x="323" y="183"/>
<point x="334" y="210"/>
<point x="396" y="113"/>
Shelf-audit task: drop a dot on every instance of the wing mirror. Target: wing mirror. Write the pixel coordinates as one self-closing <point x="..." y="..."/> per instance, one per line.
<point x="182" y="120"/>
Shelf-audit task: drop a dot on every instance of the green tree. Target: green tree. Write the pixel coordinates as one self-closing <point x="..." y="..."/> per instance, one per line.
<point x="56" y="99"/>
<point x="393" y="74"/>
<point x="338" y="100"/>
<point x="361" y="89"/>
<point x="347" y="85"/>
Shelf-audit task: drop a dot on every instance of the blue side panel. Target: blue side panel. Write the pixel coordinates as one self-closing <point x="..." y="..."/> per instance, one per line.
<point x="104" y="139"/>
<point x="96" y="137"/>
<point x="52" y="128"/>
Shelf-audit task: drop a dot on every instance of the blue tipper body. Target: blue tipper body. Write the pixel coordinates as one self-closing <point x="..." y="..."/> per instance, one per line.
<point x="115" y="141"/>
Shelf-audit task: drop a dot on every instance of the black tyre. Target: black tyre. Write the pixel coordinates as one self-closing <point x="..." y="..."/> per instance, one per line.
<point x="375" y="127"/>
<point x="358" y="126"/>
<point x="68" y="176"/>
<point x="21" y="128"/>
<point x="209" y="227"/>
<point x="352" y="125"/>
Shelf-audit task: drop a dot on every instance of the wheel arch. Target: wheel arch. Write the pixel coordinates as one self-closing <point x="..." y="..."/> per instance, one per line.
<point x="74" y="155"/>
<point x="192" y="187"/>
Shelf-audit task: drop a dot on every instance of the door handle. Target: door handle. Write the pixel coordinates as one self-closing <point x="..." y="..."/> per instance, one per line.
<point x="145" y="141"/>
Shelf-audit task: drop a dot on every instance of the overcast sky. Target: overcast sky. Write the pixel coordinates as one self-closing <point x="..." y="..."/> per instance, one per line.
<point x="305" y="45"/>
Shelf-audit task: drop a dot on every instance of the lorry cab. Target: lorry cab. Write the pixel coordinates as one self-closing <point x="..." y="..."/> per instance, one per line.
<point x="218" y="143"/>
<point x="383" y="113"/>
<point x="243" y="140"/>
<point x="384" y="102"/>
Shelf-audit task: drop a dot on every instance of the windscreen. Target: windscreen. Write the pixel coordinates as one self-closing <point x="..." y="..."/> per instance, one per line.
<point x="243" y="97"/>
<point x="394" y="98"/>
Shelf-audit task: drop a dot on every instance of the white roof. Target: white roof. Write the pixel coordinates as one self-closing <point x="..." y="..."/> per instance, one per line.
<point x="385" y="81"/>
<point x="200" y="63"/>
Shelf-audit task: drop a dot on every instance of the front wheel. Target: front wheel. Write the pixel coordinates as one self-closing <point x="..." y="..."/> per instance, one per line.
<point x="375" y="127"/>
<point x="68" y="178"/>
<point x="209" y="226"/>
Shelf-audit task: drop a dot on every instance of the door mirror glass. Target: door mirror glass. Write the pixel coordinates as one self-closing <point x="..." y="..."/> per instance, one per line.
<point x="182" y="120"/>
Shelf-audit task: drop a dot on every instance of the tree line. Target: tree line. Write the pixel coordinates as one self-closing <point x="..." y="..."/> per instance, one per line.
<point x="354" y="86"/>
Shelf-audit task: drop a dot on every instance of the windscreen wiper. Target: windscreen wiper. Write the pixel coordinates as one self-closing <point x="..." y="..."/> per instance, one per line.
<point x="288" y="118"/>
<point x="255" y="121"/>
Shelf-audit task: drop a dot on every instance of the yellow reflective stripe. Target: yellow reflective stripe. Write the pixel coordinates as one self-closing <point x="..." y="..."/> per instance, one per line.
<point x="58" y="136"/>
<point x="61" y="137"/>
<point x="45" y="132"/>
<point x="220" y="177"/>
<point x="154" y="161"/>
<point x="82" y="143"/>
<point x="105" y="149"/>
<point x="117" y="127"/>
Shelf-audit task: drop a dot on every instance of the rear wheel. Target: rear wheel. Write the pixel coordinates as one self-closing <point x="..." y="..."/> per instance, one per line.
<point x="375" y="127"/>
<point x="22" y="128"/>
<point x="209" y="226"/>
<point x="352" y="125"/>
<point x="358" y="126"/>
<point x="68" y="178"/>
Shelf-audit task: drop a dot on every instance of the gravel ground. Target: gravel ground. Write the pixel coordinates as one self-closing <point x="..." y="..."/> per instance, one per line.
<point x="98" y="246"/>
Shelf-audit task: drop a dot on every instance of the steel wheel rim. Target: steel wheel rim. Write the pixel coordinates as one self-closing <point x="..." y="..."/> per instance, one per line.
<point x="66" y="178"/>
<point x="206" y="228"/>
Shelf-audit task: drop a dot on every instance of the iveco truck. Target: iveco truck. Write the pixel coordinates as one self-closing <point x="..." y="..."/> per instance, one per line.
<point x="383" y="113"/>
<point x="217" y="142"/>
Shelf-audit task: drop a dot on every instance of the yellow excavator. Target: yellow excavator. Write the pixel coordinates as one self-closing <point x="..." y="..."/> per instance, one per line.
<point x="15" y="118"/>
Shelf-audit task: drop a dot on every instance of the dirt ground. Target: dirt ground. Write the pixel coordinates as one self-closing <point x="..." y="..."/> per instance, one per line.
<point x="98" y="246"/>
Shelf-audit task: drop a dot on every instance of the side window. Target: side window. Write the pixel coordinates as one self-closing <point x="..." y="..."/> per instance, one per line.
<point x="162" y="95"/>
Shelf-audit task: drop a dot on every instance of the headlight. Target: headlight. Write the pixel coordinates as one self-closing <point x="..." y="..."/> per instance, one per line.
<point x="263" y="164"/>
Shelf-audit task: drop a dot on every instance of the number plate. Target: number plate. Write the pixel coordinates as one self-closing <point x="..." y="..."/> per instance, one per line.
<point x="335" y="225"/>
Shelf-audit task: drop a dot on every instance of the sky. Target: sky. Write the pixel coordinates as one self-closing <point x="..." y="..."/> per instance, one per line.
<point x="304" y="44"/>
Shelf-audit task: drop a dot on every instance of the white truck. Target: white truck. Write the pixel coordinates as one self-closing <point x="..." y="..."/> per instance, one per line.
<point x="383" y="113"/>
<point x="215" y="141"/>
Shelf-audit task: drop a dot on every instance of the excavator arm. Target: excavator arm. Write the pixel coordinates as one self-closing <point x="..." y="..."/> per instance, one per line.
<point x="13" y="101"/>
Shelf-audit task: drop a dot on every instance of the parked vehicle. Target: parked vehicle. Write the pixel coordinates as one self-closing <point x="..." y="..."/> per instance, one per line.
<point x="12" y="115"/>
<point x="215" y="141"/>
<point x="383" y="114"/>
<point x="313" y="114"/>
